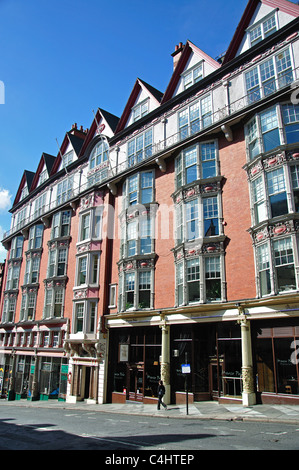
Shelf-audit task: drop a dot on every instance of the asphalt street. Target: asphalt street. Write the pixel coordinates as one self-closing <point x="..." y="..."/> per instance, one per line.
<point x="25" y="428"/>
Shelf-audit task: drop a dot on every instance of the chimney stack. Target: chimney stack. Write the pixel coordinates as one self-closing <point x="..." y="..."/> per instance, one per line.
<point x="177" y="54"/>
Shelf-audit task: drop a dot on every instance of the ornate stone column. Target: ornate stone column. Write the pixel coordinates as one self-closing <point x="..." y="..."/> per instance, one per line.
<point x="165" y="362"/>
<point x="248" y="395"/>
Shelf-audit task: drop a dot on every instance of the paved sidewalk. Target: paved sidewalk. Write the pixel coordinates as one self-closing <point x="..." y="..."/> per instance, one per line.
<point x="202" y="410"/>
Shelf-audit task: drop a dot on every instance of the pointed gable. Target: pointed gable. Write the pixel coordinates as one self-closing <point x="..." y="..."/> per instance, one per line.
<point x="191" y="64"/>
<point x="25" y="186"/>
<point x="143" y="99"/>
<point x="104" y="123"/>
<point x="43" y="170"/>
<point x="260" y="19"/>
<point x="70" y="149"/>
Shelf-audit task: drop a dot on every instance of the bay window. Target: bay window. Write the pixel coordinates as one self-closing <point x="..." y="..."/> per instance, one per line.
<point x="85" y="317"/>
<point x="136" y="289"/>
<point x="199" y="279"/>
<point x="284" y="264"/>
<point x="197" y="218"/>
<point x="276" y="257"/>
<point x="196" y="162"/>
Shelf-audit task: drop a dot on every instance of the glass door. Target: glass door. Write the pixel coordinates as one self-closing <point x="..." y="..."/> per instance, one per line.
<point x="136" y="384"/>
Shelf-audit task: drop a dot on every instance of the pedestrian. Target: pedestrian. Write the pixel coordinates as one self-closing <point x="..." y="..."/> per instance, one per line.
<point x="161" y="393"/>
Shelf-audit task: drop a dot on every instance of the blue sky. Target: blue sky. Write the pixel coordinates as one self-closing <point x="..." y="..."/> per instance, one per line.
<point x="62" y="59"/>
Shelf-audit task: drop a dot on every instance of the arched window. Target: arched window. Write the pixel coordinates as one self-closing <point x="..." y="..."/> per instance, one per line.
<point x="99" y="154"/>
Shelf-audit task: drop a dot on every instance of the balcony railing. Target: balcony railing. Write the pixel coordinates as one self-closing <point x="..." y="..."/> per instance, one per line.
<point x="105" y="172"/>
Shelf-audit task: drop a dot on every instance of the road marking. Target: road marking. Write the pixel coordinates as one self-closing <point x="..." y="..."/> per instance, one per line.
<point x="114" y="441"/>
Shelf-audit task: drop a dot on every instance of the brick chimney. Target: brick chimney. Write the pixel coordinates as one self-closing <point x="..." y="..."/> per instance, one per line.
<point x="177" y="54"/>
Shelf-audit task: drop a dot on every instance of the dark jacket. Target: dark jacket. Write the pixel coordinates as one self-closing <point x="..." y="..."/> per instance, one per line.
<point x="161" y="390"/>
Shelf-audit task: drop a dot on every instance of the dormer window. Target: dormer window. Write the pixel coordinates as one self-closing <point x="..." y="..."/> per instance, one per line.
<point x="262" y="30"/>
<point x="24" y="193"/>
<point x="42" y="177"/>
<point x="140" y="110"/>
<point x="67" y="159"/>
<point x="193" y="76"/>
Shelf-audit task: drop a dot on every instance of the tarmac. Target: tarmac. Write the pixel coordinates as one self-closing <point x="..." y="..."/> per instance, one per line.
<point x="208" y="410"/>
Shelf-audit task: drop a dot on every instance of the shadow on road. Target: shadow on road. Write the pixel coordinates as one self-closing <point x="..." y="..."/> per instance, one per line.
<point x="47" y="437"/>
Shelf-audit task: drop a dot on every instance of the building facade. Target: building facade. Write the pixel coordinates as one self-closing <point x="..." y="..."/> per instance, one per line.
<point x="168" y="236"/>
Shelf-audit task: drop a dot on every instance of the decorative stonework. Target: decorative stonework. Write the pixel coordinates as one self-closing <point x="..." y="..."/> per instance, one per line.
<point x="247" y="378"/>
<point x="274" y="230"/>
<point x="196" y="189"/>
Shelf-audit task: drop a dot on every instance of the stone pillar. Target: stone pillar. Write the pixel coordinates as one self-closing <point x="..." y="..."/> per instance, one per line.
<point x="248" y="395"/>
<point x="165" y="362"/>
<point x="12" y="372"/>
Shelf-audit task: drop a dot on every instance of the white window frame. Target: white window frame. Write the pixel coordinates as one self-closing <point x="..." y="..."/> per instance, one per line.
<point x="189" y="77"/>
<point x="140" y="110"/>
<point x="260" y="25"/>
<point x="257" y="91"/>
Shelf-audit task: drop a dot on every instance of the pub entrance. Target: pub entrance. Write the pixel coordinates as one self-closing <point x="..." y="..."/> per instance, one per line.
<point x="136" y="382"/>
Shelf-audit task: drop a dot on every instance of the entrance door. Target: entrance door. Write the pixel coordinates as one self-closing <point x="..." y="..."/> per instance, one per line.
<point x="136" y="384"/>
<point x="215" y="380"/>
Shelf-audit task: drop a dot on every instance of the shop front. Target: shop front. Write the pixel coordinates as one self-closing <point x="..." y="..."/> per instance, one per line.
<point x="275" y="350"/>
<point x="134" y="361"/>
<point x="213" y="351"/>
<point x="214" y="354"/>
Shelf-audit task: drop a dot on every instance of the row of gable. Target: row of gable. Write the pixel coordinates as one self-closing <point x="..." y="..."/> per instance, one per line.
<point x="260" y="19"/>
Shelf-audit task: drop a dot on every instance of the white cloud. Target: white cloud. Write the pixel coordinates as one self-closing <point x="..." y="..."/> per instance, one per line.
<point x="3" y="251"/>
<point x="5" y="200"/>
